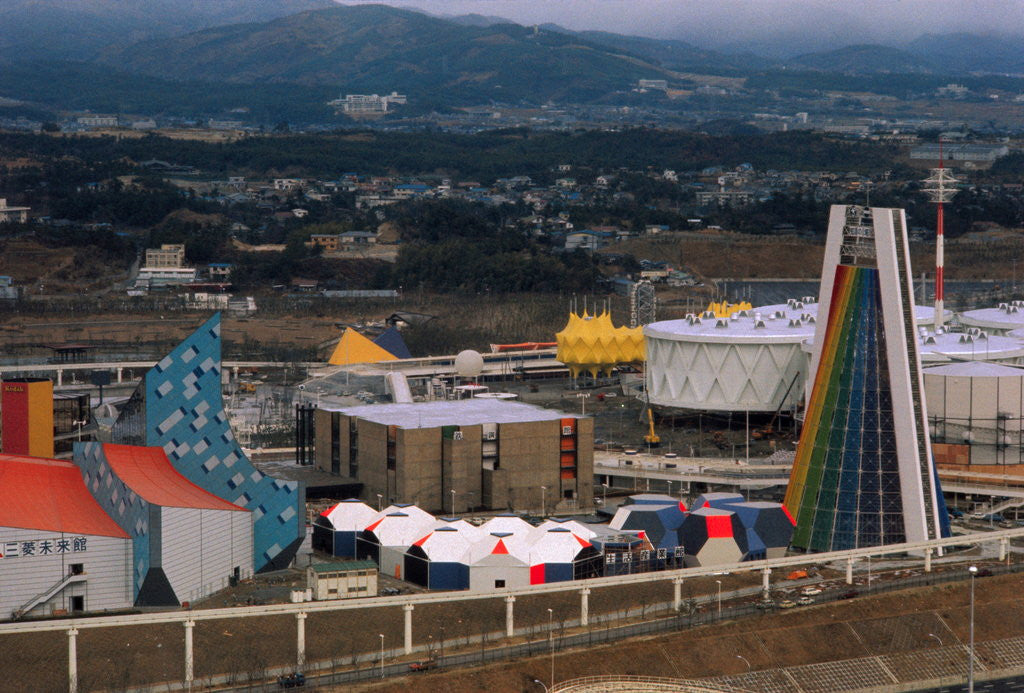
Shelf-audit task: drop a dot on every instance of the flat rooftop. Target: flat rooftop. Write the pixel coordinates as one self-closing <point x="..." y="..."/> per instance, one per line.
<point x="464" y="412"/>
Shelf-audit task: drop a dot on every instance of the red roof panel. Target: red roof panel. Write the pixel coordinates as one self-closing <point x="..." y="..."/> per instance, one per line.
<point x="719" y="526"/>
<point x="50" y="495"/>
<point x="149" y="473"/>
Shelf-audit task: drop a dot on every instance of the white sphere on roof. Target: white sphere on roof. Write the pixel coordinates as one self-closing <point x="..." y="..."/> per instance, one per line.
<point x="469" y="363"/>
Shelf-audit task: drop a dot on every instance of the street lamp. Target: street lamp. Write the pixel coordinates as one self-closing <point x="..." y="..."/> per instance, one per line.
<point x="538" y="681"/>
<point x="551" y="642"/>
<point x="380" y="502"/>
<point x="543" y="501"/>
<point x="583" y="396"/>
<point x="933" y="635"/>
<point x="970" y="662"/>
<point x="604" y="495"/>
<point x="745" y="661"/>
<point x="453" y="502"/>
<point x="719" y="583"/>
<point x="381" y="655"/>
<point x="81" y="423"/>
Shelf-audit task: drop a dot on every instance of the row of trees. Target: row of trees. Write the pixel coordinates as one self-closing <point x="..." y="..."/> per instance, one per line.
<point x="485" y="156"/>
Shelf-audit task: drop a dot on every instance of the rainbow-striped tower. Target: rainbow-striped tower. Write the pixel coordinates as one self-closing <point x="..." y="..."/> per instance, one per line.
<point x="864" y="473"/>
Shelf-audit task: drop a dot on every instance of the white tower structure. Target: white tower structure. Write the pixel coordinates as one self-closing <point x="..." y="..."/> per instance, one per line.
<point x="941" y="190"/>
<point x="864" y="473"/>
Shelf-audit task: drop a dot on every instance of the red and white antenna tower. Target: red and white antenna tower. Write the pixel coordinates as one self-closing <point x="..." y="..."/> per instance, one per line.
<point x="942" y="187"/>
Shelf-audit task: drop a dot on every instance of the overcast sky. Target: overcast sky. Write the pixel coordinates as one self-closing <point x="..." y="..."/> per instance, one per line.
<point x="726" y="23"/>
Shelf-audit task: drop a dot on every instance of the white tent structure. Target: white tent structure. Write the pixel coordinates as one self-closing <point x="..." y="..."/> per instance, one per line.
<point x="508" y="524"/>
<point x="500" y="561"/>
<point x="558" y="554"/>
<point x="335" y="530"/>
<point x="471" y="532"/>
<point x="440" y="560"/>
<point x="390" y="533"/>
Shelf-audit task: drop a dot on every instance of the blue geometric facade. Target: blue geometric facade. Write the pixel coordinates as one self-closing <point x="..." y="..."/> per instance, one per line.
<point x="178" y="406"/>
<point x="126" y="507"/>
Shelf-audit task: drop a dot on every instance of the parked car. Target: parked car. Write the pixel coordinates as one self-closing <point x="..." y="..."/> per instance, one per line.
<point x="849" y="594"/>
<point x="296" y="680"/>
<point x="810" y="591"/>
<point x="765" y="604"/>
<point x="787" y="604"/>
<point x="805" y="600"/>
<point x="423" y="665"/>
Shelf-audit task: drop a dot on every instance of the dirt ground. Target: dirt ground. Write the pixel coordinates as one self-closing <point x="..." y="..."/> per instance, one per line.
<point x="740" y="256"/>
<point x="879" y="625"/>
<point x="116" y="659"/>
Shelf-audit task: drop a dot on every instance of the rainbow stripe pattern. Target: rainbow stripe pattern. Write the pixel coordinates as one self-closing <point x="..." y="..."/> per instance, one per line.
<point x="844" y="489"/>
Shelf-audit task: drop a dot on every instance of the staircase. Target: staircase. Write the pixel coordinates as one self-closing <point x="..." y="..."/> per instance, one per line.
<point x="47" y="594"/>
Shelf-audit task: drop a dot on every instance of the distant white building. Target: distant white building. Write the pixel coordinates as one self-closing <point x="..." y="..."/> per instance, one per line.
<point x="97" y="121"/>
<point x="986" y="153"/>
<point x="652" y="84"/>
<point x="169" y="255"/>
<point x="18" y="215"/>
<point x="367" y="104"/>
<point x="165" y="266"/>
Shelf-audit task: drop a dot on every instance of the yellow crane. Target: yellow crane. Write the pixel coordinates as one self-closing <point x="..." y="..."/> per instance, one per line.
<point x="652" y="439"/>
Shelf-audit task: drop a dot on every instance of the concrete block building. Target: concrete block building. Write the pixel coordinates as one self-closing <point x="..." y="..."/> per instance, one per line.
<point x="451" y="456"/>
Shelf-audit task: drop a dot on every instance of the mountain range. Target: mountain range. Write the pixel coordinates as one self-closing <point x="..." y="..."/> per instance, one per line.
<point x="318" y="45"/>
<point x="82" y="29"/>
<point x="379" y="48"/>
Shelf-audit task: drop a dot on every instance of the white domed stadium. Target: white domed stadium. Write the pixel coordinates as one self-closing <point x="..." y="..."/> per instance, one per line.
<point x="1000" y="320"/>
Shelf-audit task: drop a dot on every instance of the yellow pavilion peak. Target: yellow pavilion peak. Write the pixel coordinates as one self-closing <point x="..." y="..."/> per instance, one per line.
<point x="355" y="348"/>
<point x="725" y="309"/>
<point x="594" y="345"/>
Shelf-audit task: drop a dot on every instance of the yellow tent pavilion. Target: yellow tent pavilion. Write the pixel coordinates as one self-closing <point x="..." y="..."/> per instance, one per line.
<point x="593" y="344"/>
<point x="355" y="348"/>
<point x="726" y="309"/>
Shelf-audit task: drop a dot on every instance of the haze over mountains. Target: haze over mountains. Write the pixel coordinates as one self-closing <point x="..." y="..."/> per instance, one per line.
<point x="378" y="48"/>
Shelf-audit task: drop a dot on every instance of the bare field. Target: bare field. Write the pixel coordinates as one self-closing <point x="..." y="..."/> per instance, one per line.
<point x="886" y="624"/>
<point x="750" y="257"/>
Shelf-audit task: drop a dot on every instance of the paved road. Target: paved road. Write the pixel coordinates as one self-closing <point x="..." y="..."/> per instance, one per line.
<point x="1013" y="683"/>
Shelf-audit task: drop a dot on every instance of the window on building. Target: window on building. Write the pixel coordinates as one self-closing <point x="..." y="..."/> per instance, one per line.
<point x="77" y="569"/>
<point x="498" y="584"/>
<point x="78" y="603"/>
<point x="335" y="443"/>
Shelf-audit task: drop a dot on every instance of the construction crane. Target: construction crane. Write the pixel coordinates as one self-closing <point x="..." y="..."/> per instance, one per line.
<point x="652" y="439"/>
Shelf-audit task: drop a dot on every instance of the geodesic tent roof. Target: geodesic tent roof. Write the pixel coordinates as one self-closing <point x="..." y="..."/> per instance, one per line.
<point x="593" y="344"/>
<point x="507" y="524"/>
<point x="713" y="537"/>
<point x="446" y="545"/>
<point x="577" y="528"/>
<point x="718" y="499"/>
<point x="350" y="515"/>
<point x="654" y="499"/>
<point x="768" y="525"/>
<point x="557" y="545"/>
<point x="657" y="522"/>
<point x="500" y="548"/>
<point x="471" y="532"/>
<point x="399" y="525"/>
